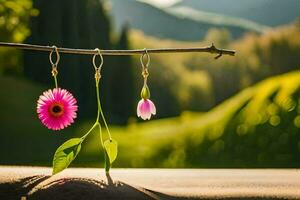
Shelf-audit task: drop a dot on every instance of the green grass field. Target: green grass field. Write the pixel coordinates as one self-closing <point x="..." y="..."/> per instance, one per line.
<point x="259" y="127"/>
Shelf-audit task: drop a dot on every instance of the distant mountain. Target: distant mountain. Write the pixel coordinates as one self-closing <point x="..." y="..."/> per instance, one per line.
<point x="189" y="20"/>
<point x="267" y="12"/>
<point x="174" y="23"/>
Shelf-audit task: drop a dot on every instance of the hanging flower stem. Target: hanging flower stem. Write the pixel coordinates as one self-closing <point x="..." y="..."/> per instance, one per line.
<point x="145" y="107"/>
<point x="55" y="81"/>
<point x="101" y="112"/>
<point x="54" y="73"/>
<point x="62" y="159"/>
<point x="100" y="134"/>
<point x="109" y="146"/>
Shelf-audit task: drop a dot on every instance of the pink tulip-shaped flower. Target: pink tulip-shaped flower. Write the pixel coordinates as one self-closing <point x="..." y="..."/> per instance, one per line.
<point x="145" y="107"/>
<point x="57" y="108"/>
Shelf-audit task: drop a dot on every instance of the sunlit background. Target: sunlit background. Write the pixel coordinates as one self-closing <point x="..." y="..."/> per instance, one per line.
<point x="241" y="111"/>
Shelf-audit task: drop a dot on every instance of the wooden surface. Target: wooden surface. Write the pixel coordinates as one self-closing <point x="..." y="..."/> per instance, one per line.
<point x="91" y="183"/>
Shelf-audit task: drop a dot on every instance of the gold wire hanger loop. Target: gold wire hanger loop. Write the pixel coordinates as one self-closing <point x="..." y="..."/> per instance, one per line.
<point x="101" y="60"/>
<point x="145" y="57"/>
<point x="97" y="69"/>
<point x="57" y="56"/>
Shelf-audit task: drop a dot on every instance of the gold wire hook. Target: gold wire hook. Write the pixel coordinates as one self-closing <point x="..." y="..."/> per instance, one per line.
<point x="97" y="69"/>
<point x="145" y="72"/>
<point x="94" y="59"/>
<point x="54" y="71"/>
<point x="142" y="58"/>
<point x="57" y="56"/>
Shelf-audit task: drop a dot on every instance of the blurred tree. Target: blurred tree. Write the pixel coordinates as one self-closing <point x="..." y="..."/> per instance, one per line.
<point x="258" y="57"/>
<point x="280" y="52"/>
<point x="14" y="19"/>
<point x="74" y="24"/>
<point x="122" y="85"/>
<point x="220" y="37"/>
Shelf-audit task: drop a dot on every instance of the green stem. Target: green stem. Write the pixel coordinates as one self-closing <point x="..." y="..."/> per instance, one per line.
<point x="55" y="81"/>
<point x="98" y="101"/>
<point x="95" y="124"/>
<point x="100" y="134"/>
<point x="101" y="112"/>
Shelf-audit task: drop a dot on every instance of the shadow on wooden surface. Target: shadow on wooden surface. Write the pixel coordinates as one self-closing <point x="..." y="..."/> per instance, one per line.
<point x="18" y="188"/>
<point x="72" y="189"/>
<point x="167" y="184"/>
<point x="32" y="188"/>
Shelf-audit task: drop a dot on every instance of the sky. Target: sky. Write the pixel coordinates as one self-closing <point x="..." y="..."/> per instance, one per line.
<point x="161" y="3"/>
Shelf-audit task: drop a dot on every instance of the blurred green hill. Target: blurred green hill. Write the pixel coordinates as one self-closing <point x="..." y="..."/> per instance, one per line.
<point x="259" y="127"/>
<point x="204" y="82"/>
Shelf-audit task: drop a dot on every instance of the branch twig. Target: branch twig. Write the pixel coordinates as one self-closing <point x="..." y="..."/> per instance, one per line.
<point x="209" y="49"/>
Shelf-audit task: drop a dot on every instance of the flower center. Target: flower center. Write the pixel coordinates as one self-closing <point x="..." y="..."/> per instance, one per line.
<point x="56" y="110"/>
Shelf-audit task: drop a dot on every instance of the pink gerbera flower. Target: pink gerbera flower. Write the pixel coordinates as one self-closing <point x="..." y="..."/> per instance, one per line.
<point x="145" y="109"/>
<point x="57" y="108"/>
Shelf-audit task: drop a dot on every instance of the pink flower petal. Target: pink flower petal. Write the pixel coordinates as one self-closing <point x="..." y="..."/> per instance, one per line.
<point x="139" y="108"/>
<point x="63" y="101"/>
<point x="152" y="107"/>
<point x="145" y="108"/>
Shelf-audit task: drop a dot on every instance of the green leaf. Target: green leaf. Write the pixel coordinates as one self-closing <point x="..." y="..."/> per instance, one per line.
<point x="65" y="154"/>
<point x="111" y="148"/>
